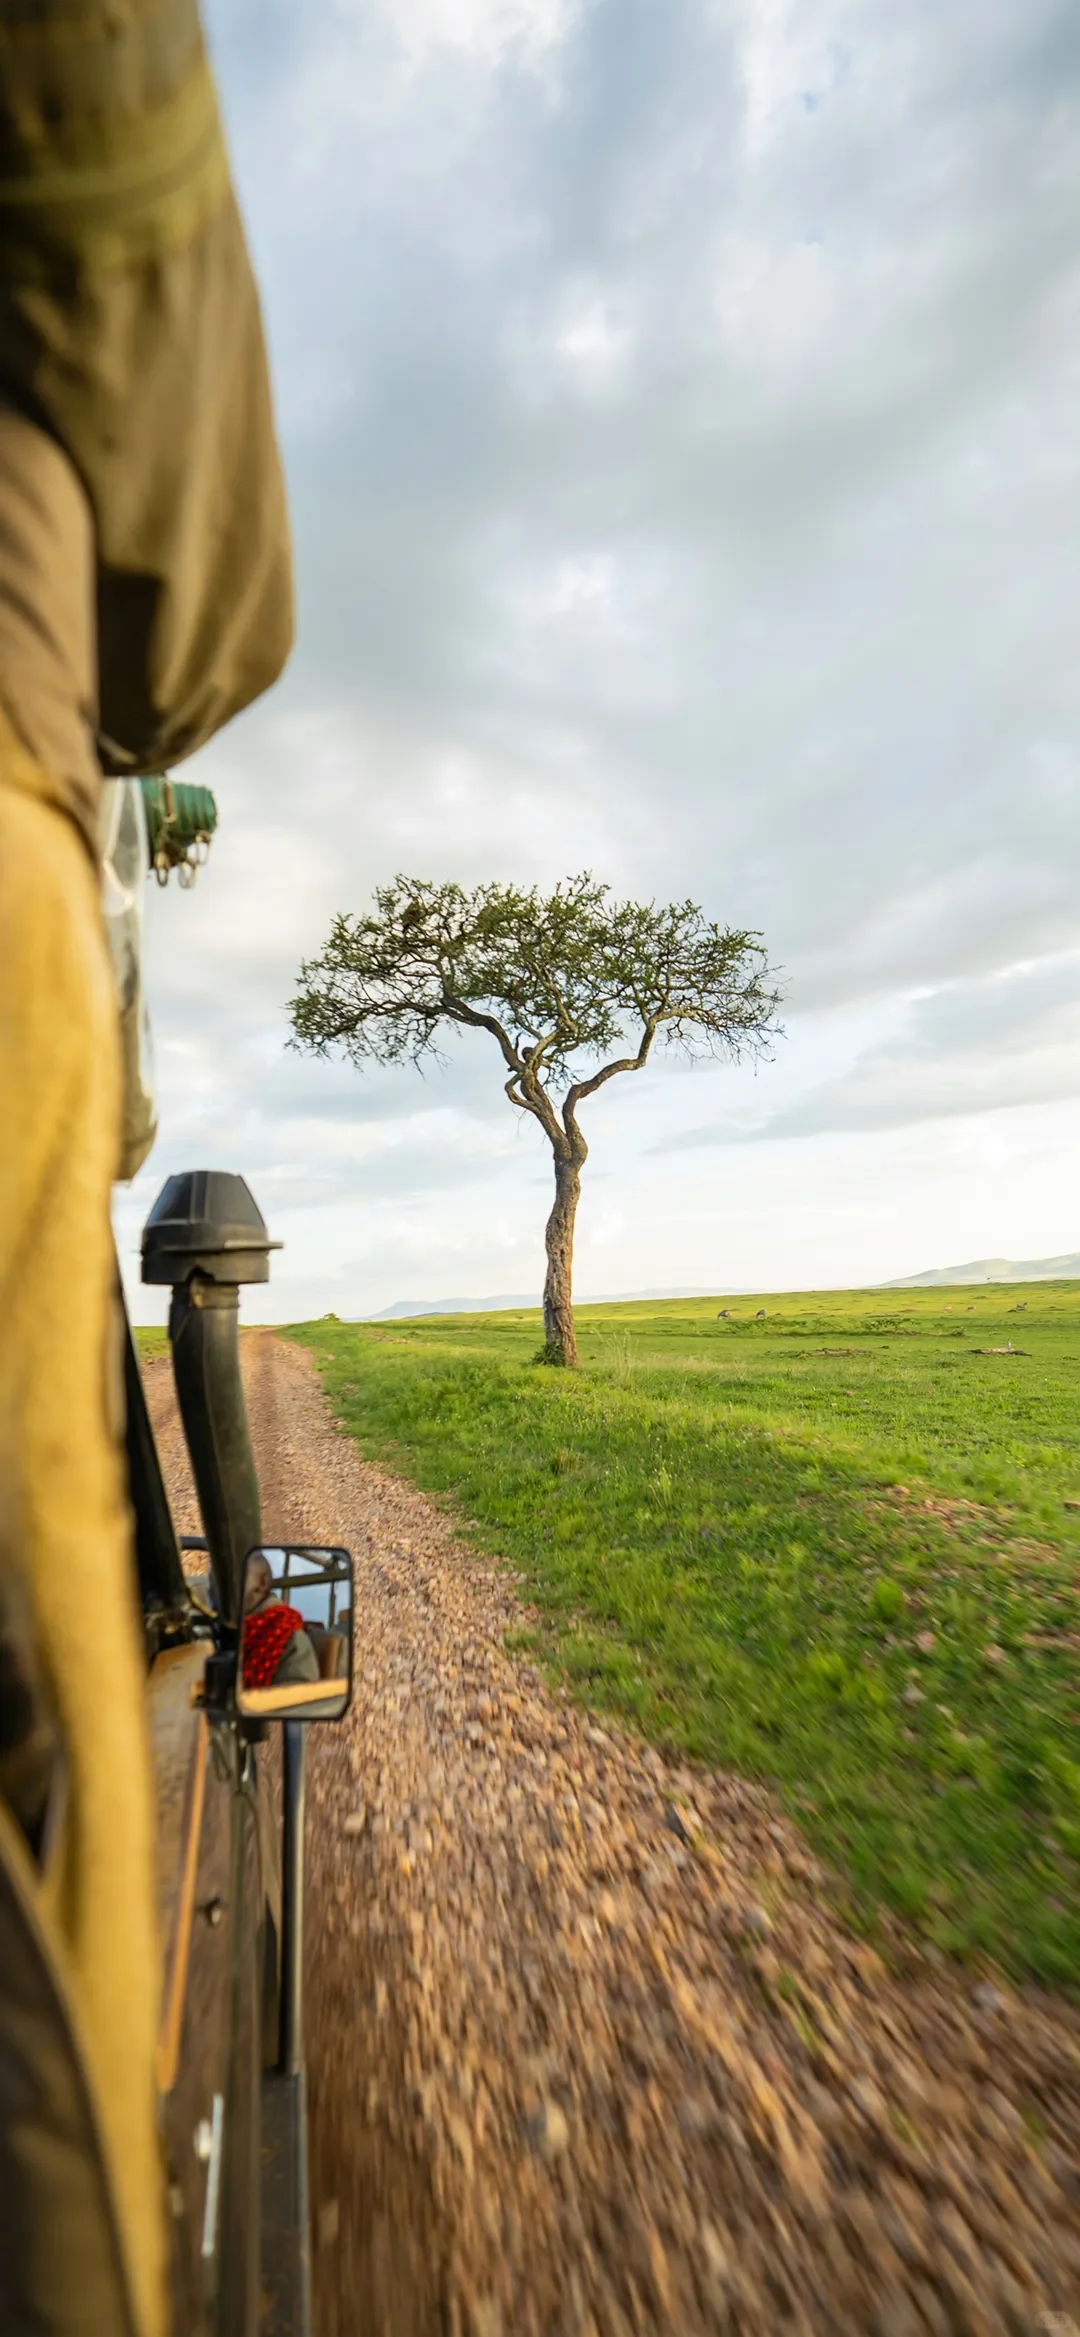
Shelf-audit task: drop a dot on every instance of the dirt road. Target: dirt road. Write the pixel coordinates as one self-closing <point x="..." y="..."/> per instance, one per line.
<point x="590" y="2055"/>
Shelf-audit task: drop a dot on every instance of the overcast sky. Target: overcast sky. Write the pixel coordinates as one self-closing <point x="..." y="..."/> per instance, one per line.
<point x="679" y="402"/>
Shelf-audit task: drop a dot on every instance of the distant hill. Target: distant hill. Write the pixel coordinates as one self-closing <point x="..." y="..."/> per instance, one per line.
<point x="1064" y="1269"/>
<point x="403" y="1307"/>
<point x="451" y="1306"/>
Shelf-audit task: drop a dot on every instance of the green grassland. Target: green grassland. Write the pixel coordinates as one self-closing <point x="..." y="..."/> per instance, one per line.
<point x="835" y="1545"/>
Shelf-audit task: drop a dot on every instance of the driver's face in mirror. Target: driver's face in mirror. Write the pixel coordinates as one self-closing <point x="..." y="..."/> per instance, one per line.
<point x="259" y="1585"/>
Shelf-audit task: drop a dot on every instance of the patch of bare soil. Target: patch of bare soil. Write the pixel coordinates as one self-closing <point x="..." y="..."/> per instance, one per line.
<point x="591" y="2055"/>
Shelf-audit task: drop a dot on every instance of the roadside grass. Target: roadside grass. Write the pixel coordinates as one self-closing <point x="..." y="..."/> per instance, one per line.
<point x="829" y="1548"/>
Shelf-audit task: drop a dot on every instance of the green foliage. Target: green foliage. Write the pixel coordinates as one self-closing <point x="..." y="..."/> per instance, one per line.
<point x="794" y="1562"/>
<point x="556" y="979"/>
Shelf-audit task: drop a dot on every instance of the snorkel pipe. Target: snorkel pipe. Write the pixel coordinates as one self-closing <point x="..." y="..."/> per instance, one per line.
<point x="205" y="1237"/>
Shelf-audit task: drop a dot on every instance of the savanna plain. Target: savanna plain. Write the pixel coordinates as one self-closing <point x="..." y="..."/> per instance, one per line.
<point x="830" y="1541"/>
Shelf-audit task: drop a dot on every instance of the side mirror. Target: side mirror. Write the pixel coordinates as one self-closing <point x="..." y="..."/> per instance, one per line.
<point x="296" y="1634"/>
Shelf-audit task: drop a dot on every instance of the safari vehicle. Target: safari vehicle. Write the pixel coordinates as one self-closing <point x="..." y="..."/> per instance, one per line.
<point x="226" y="1619"/>
<point x="245" y="1645"/>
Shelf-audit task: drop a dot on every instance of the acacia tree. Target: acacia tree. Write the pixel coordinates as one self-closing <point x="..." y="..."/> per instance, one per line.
<point x="557" y="982"/>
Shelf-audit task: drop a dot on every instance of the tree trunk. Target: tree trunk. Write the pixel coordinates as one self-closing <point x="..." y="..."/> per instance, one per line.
<point x="560" y="1345"/>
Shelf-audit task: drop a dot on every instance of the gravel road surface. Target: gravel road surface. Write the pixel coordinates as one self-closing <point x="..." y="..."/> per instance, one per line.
<point x="591" y="2055"/>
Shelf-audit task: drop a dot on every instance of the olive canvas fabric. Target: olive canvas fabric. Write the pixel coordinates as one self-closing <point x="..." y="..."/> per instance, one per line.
<point x="130" y="330"/>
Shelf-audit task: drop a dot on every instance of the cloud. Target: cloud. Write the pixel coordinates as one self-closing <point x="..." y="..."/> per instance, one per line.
<point x="679" y="409"/>
<point x="1008" y="1039"/>
<point x="484" y="28"/>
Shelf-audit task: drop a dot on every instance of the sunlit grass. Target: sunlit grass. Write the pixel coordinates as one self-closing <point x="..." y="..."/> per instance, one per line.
<point x="829" y="1547"/>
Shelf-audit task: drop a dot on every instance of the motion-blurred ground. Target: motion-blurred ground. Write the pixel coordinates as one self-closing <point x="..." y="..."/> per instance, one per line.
<point x="591" y="2053"/>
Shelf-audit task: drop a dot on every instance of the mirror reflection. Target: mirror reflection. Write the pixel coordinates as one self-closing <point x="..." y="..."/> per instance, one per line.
<point x="296" y="1633"/>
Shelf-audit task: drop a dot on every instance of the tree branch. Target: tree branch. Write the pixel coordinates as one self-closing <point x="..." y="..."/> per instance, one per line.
<point x="457" y="1011"/>
<point x="539" y="1107"/>
<point x="584" y="1087"/>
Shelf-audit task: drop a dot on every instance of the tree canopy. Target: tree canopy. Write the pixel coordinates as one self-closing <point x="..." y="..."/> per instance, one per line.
<point x="559" y="981"/>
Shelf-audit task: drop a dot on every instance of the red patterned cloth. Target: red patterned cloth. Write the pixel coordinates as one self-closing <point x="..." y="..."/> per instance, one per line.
<point x="266" y="1637"/>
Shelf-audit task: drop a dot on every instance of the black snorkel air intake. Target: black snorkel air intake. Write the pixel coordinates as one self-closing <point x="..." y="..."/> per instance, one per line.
<point x="205" y="1236"/>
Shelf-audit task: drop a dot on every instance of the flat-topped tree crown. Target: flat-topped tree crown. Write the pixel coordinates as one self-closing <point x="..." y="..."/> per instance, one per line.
<point x="559" y="981"/>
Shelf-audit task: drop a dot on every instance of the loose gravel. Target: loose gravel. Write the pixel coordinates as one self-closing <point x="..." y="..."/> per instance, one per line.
<point x="592" y="2054"/>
